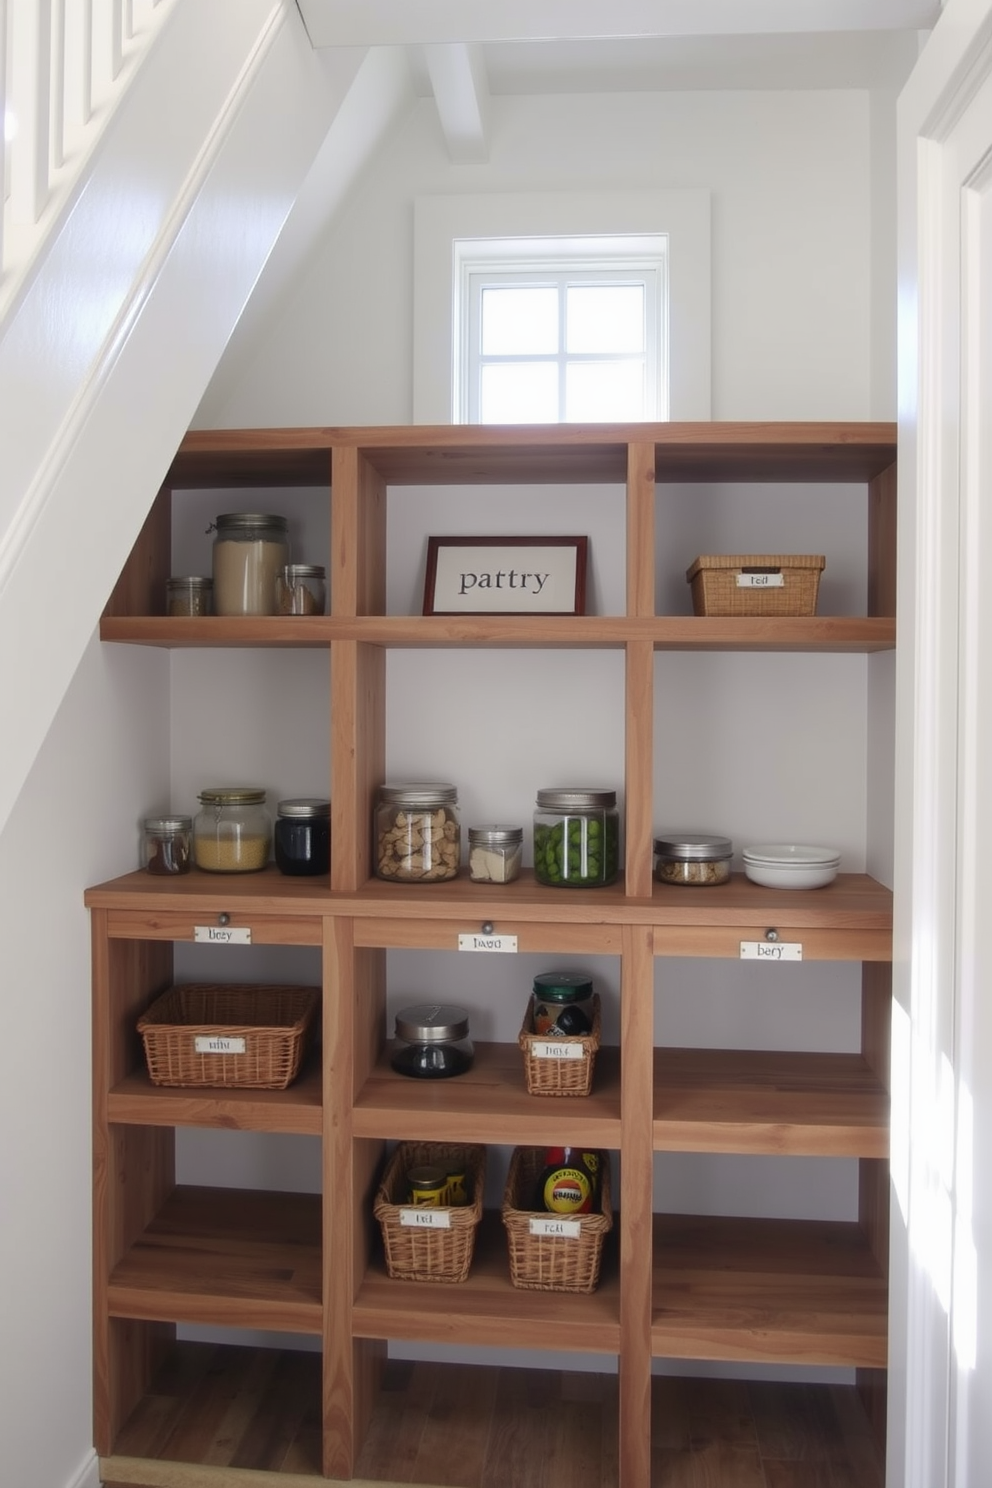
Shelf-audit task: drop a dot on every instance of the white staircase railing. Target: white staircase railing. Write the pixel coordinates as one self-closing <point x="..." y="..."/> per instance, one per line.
<point x="63" y="65"/>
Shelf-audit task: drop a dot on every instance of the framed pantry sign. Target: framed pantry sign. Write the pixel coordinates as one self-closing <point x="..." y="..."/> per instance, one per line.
<point x="506" y="576"/>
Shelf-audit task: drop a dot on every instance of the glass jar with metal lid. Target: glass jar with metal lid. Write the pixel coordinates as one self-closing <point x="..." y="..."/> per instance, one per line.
<point x="494" y="853"/>
<point x="576" y="837"/>
<point x="417" y="832"/>
<point x="432" y="1042"/>
<point x="302" y="836"/>
<point x="232" y="831"/>
<point x="301" y="589"/>
<point x="250" y="549"/>
<point x="167" y="845"/>
<point x="696" y="859"/>
<point x="561" y="1004"/>
<point x="188" y="594"/>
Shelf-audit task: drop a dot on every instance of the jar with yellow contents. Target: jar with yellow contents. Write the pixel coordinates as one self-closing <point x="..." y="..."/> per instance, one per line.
<point x="232" y="831"/>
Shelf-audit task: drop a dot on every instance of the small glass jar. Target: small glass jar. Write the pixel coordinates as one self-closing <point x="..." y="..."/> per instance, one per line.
<point x="432" y="1042"/>
<point x="301" y="589"/>
<point x="232" y="831"/>
<point x="427" y="1186"/>
<point x="696" y="859"/>
<point x="561" y="1005"/>
<point x="302" y="836"/>
<point x="167" y="845"/>
<point x="494" y="854"/>
<point x="189" y="594"/>
<point x="249" y="550"/>
<point x="576" y="837"/>
<point x="417" y="832"/>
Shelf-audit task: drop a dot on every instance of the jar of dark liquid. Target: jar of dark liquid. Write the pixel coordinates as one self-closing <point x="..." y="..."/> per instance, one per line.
<point x="432" y="1042"/>
<point x="303" y="836"/>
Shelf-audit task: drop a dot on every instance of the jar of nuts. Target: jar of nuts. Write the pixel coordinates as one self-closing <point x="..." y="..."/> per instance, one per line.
<point x="697" y="859"/>
<point x="417" y="833"/>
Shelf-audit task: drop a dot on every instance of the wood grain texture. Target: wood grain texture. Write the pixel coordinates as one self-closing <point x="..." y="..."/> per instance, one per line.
<point x="639" y="770"/>
<point x="636" y="1159"/>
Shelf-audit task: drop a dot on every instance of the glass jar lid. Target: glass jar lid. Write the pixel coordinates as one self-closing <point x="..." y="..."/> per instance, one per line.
<point x="563" y="986"/>
<point x="432" y="1023"/>
<point x="701" y="847"/>
<point x="190" y="581"/>
<point x="166" y="824"/>
<point x="232" y="795"/>
<point x="249" y="523"/>
<point x="417" y="793"/>
<point x="305" y="806"/>
<point x="495" y="836"/>
<point x="576" y="798"/>
<point x="303" y="571"/>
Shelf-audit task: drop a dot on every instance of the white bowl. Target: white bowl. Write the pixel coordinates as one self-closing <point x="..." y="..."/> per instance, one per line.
<point x="791" y="853"/>
<point x="781" y="866"/>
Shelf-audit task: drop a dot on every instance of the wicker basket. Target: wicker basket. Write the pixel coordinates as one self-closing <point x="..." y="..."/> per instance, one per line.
<point x="716" y="591"/>
<point x="556" y="1075"/>
<point x="223" y="1036"/>
<point x="551" y="1263"/>
<point x="414" y="1253"/>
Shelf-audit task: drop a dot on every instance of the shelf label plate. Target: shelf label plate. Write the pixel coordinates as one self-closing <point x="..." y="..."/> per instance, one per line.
<point x="557" y="1049"/>
<point x="761" y="581"/>
<point x="222" y="934"/>
<point x="771" y="950"/>
<point x="553" y="1224"/>
<point x="504" y="943"/>
<point x="426" y="1217"/>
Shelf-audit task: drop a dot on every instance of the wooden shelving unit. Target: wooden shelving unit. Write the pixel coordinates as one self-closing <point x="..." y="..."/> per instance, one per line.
<point x="673" y="1286"/>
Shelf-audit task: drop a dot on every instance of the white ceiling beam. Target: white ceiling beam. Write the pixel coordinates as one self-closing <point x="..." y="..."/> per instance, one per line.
<point x="436" y="22"/>
<point x="458" y="77"/>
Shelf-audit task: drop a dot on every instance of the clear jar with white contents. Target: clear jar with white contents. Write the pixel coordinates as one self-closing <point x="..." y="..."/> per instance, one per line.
<point x="232" y="831"/>
<point x="417" y="832"/>
<point x="693" y="859"/>
<point x="494" y="853"/>
<point x="250" y="549"/>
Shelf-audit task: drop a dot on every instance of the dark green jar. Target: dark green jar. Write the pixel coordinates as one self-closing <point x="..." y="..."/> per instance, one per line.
<point x="576" y="837"/>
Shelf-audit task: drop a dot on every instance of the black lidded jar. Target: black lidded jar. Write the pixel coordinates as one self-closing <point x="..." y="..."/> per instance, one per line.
<point x="432" y="1042"/>
<point x="303" y="836"/>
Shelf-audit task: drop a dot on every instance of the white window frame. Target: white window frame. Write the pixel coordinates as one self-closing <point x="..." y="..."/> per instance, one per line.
<point x="441" y="222"/>
<point x="633" y="258"/>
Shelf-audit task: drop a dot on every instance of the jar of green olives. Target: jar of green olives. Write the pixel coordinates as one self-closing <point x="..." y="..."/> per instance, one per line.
<point x="576" y="837"/>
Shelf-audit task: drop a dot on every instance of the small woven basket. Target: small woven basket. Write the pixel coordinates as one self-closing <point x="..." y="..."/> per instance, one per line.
<point x="551" y="1263"/>
<point x="716" y="591"/>
<point x="415" y="1253"/>
<point x="210" y="1034"/>
<point x="548" y="1074"/>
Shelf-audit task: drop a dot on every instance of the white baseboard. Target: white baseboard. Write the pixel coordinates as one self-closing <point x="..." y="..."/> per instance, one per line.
<point x="88" y="1475"/>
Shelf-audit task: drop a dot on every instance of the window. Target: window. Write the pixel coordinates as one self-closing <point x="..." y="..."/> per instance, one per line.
<point x="562" y="330"/>
<point x="610" y="245"/>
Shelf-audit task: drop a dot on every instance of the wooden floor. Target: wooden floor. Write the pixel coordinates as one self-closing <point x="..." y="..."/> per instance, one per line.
<point x="481" y="1427"/>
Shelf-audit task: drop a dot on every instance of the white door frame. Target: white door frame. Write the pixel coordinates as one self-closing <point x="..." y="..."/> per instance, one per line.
<point x="940" y="1397"/>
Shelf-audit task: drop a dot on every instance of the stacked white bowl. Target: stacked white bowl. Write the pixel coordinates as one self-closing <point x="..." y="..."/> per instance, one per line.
<point x="789" y="865"/>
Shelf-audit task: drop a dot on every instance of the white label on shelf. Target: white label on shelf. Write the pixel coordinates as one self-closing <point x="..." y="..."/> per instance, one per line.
<point x="557" y="1049"/>
<point x="553" y="1224"/>
<point x="761" y="581"/>
<point x="488" y="943"/>
<point x="771" y="950"/>
<point x="222" y="934"/>
<point x="426" y="1217"/>
<point x="205" y="1043"/>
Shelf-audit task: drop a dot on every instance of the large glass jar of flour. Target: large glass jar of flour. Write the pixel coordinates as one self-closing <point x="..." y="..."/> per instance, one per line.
<point x="250" y="550"/>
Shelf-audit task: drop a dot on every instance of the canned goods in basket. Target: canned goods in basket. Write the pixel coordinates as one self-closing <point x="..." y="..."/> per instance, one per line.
<point x="427" y="1186"/>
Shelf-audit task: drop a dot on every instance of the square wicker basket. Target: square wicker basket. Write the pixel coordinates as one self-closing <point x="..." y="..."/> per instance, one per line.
<point x="548" y="1074"/>
<point x="725" y="584"/>
<point x="242" y="1034"/>
<point x="547" y="1262"/>
<point x="415" y="1253"/>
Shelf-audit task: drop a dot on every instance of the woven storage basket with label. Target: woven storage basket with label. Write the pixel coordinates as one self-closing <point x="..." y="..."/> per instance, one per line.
<point x="242" y="1034"/>
<point x="418" y="1248"/>
<point x="560" y="1065"/>
<point x="756" y="583"/>
<point x="548" y="1262"/>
